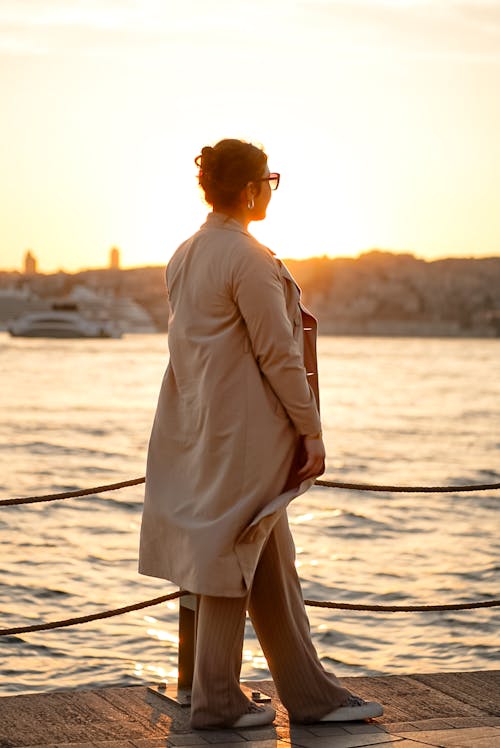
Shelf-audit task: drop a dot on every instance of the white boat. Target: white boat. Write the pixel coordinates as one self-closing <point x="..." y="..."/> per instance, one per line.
<point x="62" y="321"/>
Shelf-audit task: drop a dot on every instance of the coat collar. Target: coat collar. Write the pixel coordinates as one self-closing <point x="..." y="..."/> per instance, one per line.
<point x="222" y="221"/>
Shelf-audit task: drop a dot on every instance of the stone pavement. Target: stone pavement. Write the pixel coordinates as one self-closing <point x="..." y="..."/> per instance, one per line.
<point x="459" y="710"/>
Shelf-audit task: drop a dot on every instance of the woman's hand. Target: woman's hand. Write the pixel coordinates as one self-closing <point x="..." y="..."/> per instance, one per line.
<point x="315" y="458"/>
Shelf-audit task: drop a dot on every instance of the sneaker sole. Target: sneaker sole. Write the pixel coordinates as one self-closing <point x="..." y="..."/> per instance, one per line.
<point x="354" y="713"/>
<point x="256" y="719"/>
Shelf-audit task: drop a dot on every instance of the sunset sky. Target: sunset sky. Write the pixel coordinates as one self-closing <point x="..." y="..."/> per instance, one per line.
<point x="382" y="117"/>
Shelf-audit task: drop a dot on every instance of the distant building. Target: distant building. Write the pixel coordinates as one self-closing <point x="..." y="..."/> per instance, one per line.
<point x="29" y="263"/>
<point x="114" y="258"/>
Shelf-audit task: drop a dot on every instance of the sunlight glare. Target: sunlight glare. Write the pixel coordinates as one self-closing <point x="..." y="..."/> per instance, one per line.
<point x="302" y="518"/>
<point x="163" y="636"/>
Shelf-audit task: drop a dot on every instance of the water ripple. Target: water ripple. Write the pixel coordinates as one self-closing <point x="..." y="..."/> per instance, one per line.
<point x="393" y="413"/>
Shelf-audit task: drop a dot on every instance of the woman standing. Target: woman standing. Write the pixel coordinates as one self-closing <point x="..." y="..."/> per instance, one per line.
<point x="236" y="436"/>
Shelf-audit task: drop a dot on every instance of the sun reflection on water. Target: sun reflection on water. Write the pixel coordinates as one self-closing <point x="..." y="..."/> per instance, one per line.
<point x="160" y="672"/>
<point x="301" y="518"/>
<point x="385" y="419"/>
<point x="163" y="636"/>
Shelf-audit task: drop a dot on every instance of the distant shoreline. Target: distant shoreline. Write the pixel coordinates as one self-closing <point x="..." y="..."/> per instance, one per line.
<point x="378" y="330"/>
<point x="326" y="334"/>
<point x="377" y="294"/>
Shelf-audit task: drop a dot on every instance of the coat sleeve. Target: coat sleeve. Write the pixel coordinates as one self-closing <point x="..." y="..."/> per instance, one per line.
<point x="258" y="292"/>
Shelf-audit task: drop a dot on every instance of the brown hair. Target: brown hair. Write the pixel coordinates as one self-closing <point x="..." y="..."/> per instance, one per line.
<point x="226" y="168"/>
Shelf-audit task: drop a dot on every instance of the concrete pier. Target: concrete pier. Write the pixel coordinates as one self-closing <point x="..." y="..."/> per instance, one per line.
<point x="442" y="709"/>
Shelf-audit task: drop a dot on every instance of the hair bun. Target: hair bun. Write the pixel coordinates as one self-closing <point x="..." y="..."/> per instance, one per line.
<point x="206" y="160"/>
<point x="224" y="170"/>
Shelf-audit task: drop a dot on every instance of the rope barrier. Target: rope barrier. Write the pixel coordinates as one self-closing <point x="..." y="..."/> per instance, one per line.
<point x="408" y="489"/>
<point x="72" y="494"/>
<point x="321" y="483"/>
<point x="403" y="608"/>
<point x="313" y="603"/>
<point x="92" y="617"/>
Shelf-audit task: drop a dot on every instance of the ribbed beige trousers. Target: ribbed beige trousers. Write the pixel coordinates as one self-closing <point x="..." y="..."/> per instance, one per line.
<point x="277" y="611"/>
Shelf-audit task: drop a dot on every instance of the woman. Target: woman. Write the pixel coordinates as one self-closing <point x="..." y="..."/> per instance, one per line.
<point x="236" y="436"/>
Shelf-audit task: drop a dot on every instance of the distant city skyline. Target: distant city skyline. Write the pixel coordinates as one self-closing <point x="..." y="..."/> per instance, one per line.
<point x="31" y="266"/>
<point x="381" y="115"/>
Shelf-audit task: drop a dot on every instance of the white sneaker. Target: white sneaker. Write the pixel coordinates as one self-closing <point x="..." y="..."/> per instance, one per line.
<point x="355" y="709"/>
<point x="256" y="716"/>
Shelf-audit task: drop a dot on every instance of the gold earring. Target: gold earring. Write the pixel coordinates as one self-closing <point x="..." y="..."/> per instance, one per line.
<point x="250" y="204"/>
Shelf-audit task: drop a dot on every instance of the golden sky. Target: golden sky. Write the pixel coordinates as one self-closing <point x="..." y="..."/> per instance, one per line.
<point x="382" y="116"/>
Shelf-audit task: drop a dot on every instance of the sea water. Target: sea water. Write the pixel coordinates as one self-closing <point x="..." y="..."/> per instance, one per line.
<point x="77" y="414"/>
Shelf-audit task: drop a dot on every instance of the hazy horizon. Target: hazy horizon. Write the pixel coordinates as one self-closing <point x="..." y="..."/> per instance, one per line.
<point x="309" y="258"/>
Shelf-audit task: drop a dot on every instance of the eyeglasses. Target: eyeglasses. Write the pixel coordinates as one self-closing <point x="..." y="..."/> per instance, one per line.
<point x="273" y="179"/>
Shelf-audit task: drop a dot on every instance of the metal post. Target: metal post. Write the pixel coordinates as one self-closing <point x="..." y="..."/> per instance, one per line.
<point x="188" y="614"/>
<point x="181" y="693"/>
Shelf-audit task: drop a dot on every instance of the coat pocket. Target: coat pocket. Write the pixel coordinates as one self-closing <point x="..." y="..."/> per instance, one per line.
<point x="273" y="400"/>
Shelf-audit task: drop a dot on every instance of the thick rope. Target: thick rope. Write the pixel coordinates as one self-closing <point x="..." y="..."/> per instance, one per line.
<point x="92" y="617"/>
<point x="73" y="494"/>
<point x="314" y="603"/>
<point x="408" y="489"/>
<point x="322" y="483"/>
<point x="403" y="608"/>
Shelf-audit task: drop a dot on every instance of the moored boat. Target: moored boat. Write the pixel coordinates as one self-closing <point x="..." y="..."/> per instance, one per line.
<point x="62" y="321"/>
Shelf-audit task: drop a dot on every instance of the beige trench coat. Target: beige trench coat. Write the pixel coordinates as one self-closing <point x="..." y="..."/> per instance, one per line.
<point x="234" y="399"/>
